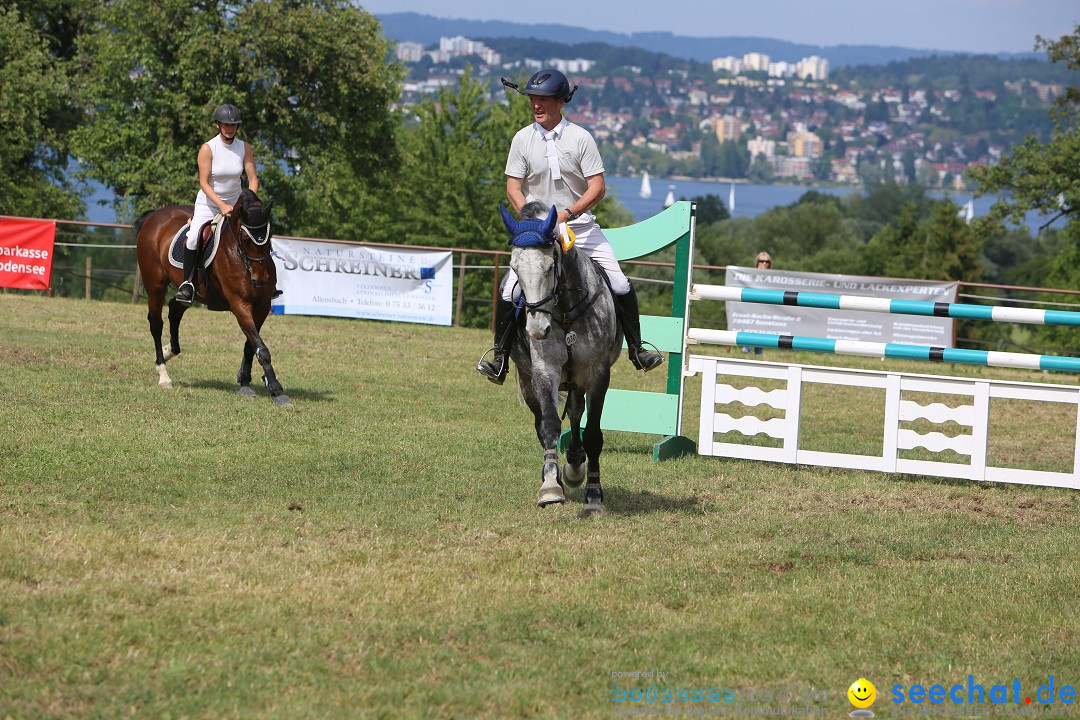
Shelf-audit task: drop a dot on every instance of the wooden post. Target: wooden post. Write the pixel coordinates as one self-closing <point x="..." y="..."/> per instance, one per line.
<point x="89" y="264"/>
<point x="135" y="290"/>
<point x="460" y="289"/>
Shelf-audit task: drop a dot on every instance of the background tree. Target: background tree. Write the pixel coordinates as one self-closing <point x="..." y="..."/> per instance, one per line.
<point x="311" y="79"/>
<point x="34" y="114"/>
<point x="1045" y="177"/>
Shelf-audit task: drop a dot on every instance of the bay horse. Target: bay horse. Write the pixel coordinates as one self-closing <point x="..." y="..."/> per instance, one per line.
<point x="241" y="278"/>
<point x="568" y="341"/>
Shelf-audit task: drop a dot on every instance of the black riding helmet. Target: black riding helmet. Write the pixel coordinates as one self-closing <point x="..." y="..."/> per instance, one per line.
<point x="546" y="83"/>
<point x="227" y="114"/>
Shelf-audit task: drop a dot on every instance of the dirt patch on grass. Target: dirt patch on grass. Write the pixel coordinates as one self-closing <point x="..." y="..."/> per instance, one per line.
<point x="1021" y="508"/>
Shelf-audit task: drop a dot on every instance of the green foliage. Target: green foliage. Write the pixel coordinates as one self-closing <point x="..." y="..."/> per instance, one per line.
<point x="710" y="209"/>
<point x="453" y="172"/>
<point x="939" y="247"/>
<point x="310" y="79"/>
<point x="1044" y="177"/>
<point x="34" y="114"/>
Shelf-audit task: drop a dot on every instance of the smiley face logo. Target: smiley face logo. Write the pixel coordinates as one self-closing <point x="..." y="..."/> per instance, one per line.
<point x="862" y="694"/>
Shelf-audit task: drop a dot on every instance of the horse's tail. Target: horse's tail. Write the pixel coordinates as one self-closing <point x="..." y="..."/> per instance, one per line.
<point x="140" y="221"/>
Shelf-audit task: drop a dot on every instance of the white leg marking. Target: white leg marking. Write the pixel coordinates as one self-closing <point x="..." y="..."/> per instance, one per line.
<point x="163" y="376"/>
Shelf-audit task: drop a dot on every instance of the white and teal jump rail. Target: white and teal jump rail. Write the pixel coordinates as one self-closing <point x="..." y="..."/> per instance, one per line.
<point x="900" y="351"/>
<point x="826" y="301"/>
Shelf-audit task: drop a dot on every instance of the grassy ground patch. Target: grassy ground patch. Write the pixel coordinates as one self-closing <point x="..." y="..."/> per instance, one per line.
<point x="376" y="551"/>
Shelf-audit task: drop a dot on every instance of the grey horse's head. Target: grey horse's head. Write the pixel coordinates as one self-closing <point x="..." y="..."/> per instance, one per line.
<point x="534" y="259"/>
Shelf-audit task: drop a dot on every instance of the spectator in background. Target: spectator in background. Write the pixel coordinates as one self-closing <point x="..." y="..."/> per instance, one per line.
<point x="763" y="261"/>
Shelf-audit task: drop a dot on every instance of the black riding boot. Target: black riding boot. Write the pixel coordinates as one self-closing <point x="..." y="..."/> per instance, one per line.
<point x="495" y="369"/>
<point x="631" y="327"/>
<point x="185" y="294"/>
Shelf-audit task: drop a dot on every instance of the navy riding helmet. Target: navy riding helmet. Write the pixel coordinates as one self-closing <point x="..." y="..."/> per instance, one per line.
<point x="227" y="114"/>
<point x="546" y="83"/>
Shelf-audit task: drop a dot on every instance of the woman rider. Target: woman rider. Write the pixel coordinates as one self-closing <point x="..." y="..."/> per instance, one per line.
<point x="222" y="160"/>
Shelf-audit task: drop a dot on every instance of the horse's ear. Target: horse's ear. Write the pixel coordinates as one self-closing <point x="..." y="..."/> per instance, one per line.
<point x="509" y="222"/>
<point x="270" y="205"/>
<point x="549" y="224"/>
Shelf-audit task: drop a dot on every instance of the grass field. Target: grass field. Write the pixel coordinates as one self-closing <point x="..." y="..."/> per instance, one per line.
<point x="376" y="551"/>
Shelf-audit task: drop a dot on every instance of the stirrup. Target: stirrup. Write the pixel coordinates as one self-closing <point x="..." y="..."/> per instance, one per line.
<point x="185" y="297"/>
<point x="492" y="370"/>
<point x="645" y="360"/>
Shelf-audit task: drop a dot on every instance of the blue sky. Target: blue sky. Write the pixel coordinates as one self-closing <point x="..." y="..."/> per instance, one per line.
<point x="961" y="25"/>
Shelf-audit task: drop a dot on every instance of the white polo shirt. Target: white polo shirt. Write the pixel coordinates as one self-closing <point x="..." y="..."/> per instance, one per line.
<point x="577" y="157"/>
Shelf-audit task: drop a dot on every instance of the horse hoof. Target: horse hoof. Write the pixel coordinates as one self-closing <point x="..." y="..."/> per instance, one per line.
<point x="165" y="385"/>
<point x="593" y="509"/>
<point x="573" y="475"/>
<point x="550" y="495"/>
<point x="283" y="401"/>
<point x="246" y="391"/>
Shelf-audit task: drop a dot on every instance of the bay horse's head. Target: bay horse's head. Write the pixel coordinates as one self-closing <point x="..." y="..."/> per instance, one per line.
<point x="536" y="259"/>
<point x="254" y="217"/>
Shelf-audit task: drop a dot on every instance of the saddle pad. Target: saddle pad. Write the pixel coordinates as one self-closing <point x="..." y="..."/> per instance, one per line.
<point x="176" y="246"/>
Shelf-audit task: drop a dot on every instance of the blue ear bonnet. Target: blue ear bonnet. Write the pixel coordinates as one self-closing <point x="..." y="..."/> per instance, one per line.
<point x="531" y="232"/>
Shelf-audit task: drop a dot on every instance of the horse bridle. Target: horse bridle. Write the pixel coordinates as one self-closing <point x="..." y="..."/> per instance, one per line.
<point x="569" y="317"/>
<point x="248" y="260"/>
<point x="553" y="295"/>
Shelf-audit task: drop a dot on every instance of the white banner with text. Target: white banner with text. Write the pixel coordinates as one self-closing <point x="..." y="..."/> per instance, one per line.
<point x="840" y="324"/>
<point x="360" y="281"/>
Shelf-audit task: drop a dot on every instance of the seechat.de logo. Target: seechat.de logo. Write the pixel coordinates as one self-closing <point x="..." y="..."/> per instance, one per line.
<point x="862" y="695"/>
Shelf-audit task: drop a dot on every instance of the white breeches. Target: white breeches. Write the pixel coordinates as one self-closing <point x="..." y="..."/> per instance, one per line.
<point x="204" y="213"/>
<point x="590" y="239"/>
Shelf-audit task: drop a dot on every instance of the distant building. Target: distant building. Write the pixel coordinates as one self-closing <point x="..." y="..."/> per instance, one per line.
<point x="755" y="62"/>
<point x="409" y="51"/>
<point x="803" y="143"/>
<point x="732" y="65"/>
<point x="781" y="69"/>
<point x="459" y="46"/>
<point x="812" y="68"/>
<point x="572" y="67"/>
<point x="728" y="127"/>
<point x="761" y="146"/>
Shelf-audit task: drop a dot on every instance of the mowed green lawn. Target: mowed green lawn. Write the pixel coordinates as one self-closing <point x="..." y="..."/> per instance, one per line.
<point x="377" y="552"/>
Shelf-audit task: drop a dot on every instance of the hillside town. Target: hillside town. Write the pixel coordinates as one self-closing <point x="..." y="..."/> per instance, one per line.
<point x="761" y="118"/>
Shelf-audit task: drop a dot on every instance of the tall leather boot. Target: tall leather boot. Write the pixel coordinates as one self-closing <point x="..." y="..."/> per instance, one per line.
<point x="185" y="294"/>
<point x="630" y="318"/>
<point x="505" y="319"/>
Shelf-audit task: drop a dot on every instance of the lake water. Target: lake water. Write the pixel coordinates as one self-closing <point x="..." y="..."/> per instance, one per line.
<point x="750" y="200"/>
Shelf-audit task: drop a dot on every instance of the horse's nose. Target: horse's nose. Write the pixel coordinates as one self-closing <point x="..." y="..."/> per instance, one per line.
<point x="538" y="329"/>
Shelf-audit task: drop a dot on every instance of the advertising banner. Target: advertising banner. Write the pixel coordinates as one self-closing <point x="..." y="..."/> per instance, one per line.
<point x="840" y="324"/>
<point x="26" y="253"/>
<point x="358" y="281"/>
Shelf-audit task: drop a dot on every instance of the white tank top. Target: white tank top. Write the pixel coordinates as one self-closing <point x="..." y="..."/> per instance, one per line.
<point x="225" y="170"/>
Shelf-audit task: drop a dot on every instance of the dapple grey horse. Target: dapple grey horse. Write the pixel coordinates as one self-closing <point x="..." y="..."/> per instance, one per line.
<point x="569" y="341"/>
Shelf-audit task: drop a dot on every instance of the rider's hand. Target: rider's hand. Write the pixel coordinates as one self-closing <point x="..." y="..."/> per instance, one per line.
<point x="563" y="215"/>
<point x="225" y="208"/>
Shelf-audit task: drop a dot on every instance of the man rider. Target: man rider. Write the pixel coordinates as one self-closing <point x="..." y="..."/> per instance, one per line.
<point x="557" y="163"/>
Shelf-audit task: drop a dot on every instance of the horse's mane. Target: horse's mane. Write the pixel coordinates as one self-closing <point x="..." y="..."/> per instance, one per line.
<point x="247" y="198"/>
<point x="139" y="222"/>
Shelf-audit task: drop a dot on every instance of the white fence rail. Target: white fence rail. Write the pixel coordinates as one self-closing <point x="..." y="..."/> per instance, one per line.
<point x="788" y="400"/>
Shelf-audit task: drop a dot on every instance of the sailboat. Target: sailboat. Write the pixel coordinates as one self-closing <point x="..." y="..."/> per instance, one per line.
<point x="968" y="211"/>
<point x="731" y="200"/>
<point x="670" y="199"/>
<point x="646" y="188"/>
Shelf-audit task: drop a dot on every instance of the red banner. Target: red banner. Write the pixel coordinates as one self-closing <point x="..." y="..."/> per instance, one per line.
<point x="26" y="253"/>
